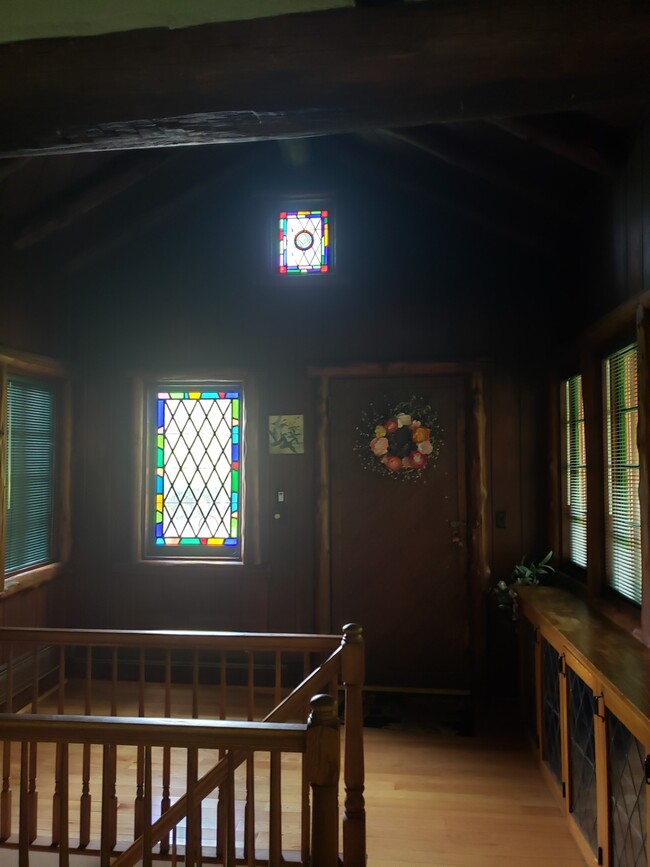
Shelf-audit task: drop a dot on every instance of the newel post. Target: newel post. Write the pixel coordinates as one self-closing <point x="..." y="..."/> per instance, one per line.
<point x="354" y="817"/>
<point x="323" y="758"/>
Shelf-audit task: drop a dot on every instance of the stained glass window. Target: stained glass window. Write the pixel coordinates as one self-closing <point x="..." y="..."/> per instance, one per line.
<point x="304" y="242"/>
<point x="197" y="495"/>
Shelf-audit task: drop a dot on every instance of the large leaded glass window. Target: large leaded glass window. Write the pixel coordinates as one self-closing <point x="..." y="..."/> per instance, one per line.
<point x="195" y="471"/>
<point x="304" y="242"/>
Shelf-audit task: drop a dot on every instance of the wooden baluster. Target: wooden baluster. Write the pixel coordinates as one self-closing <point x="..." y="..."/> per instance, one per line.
<point x="56" y="800"/>
<point x="305" y="816"/>
<point x="109" y="805"/>
<point x="251" y="686"/>
<point x="230" y="860"/>
<point x="275" y="810"/>
<point x="249" y="814"/>
<point x="24" y="819"/>
<point x="114" y="689"/>
<point x="166" y="769"/>
<point x="5" y="797"/>
<point x="354" y="817"/>
<point x="221" y="799"/>
<point x="114" y="677"/>
<point x="277" y="692"/>
<point x="147" y="845"/>
<point x="193" y="834"/>
<point x="139" y="806"/>
<point x="195" y="685"/>
<point x="86" y="798"/>
<point x="323" y="758"/>
<point x="33" y="755"/>
<point x="63" y="833"/>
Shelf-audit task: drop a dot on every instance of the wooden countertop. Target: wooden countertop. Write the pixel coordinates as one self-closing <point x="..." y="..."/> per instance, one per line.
<point x="618" y="659"/>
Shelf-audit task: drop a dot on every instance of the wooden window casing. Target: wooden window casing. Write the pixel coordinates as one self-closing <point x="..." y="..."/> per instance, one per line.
<point x="622" y="474"/>
<point x="54" y="376"/>
<point x="574" y="474"/>
<point x="248" y="551"/>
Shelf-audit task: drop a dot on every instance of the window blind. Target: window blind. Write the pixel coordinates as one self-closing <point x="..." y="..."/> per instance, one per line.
<point x="576" y="473"/>
<point x="30" y="476"/>
<point x="623" y="538"/>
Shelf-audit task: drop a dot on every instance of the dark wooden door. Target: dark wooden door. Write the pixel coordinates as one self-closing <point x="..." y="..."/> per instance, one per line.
<point x="399" y="548"/>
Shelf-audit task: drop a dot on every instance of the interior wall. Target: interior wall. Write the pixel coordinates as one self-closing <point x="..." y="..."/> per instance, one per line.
<point x="414" y="282"/>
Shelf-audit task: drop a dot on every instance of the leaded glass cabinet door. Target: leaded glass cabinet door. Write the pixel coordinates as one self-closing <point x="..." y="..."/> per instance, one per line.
<point x="528" y="642"/>
<point x="551" y="725"/>
<point x="627" y="760"/>
<point x="585" y="749"/>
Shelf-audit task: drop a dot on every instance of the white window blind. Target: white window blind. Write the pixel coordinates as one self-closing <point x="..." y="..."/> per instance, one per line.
<point x="575" y="479"/>
<point x="623" y="538"/>
<point x="30" y="476"/>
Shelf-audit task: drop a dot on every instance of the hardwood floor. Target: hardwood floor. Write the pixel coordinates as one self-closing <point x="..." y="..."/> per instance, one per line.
<point x="446" y="800"/>
<point x="433" y="798"/>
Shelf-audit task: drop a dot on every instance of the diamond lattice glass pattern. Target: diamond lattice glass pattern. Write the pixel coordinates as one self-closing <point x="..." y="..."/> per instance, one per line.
<point x="583" y="758"/>
<point x="304" y="242"/>
<point x="627" y="799"/>
<point x="198" y="468"/>
<point x="551" y="743"/>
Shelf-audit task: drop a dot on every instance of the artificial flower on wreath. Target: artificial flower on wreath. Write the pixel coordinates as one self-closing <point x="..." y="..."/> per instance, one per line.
<point x="400" y="441"/>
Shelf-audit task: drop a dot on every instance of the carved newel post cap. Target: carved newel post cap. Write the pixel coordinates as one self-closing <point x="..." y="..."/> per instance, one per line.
<point x="324" y="711"/>
<point x="353" y="633"/>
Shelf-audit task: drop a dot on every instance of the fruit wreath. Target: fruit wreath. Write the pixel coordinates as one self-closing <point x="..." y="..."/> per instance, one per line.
<point x="400" y="441"/>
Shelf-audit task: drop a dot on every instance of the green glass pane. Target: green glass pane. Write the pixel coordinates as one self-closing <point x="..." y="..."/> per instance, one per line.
<point x="235" y="480"/>
<point x="158" y="517"/>
<point x="161" y="441"/>
<point x="160" y="459"/>
<point x="177" y="395"/>
<point x="235" y="410"/>
<point x="233" y="527"/>
<point x="190" y="541"/>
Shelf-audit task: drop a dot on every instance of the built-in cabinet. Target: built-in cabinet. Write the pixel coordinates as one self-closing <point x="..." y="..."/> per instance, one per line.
<point x="585" y="688"/>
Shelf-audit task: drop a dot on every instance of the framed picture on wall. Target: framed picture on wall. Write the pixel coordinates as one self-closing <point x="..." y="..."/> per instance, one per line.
<point x="286" y="435"/>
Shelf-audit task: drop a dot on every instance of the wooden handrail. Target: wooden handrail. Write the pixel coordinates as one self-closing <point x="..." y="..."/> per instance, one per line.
<point x="236" y="741"/>
<point x="161" y="732"/>
<point x="176" y="640"/>
<point x="291" y="706"/>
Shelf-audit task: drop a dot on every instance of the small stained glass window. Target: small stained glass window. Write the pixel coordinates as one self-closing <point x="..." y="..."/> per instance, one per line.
<point x="304" y="242"/>
<point x="197" y="472"/>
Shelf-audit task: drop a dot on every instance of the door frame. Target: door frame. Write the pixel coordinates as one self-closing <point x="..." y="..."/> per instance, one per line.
<point x="477" y="485"/>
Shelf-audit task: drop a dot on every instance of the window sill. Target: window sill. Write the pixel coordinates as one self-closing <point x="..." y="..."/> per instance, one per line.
<point x="31" y="578"/>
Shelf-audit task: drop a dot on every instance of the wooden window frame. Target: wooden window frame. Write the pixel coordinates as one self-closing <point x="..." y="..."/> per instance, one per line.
<point x="249" y="528"/>
<point x="565" y="539"/>
<point x="54" y="372"/>
<point x="628" y="324"/>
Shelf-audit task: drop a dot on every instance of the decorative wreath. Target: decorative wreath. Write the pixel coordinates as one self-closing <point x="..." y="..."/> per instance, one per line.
<point x="400" y="441"/>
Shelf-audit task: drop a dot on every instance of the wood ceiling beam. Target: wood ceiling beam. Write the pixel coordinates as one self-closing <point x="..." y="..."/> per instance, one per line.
<point x="62" y="211"/>
<point x="321" y="72"/>
<point x="438" y="143"/>
<point x="579" y="153"/>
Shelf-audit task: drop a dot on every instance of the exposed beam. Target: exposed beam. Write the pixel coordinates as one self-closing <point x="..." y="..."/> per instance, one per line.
<point x="438" y="143"/>
<point x="61" y="211"/>
<point x="187" y="189"/>
<point x="581" y="154"/>
<point x="495" y="220"/>
<point x="321" y="72"/>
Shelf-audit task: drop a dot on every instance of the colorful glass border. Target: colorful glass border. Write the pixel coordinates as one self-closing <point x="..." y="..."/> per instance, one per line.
<point x="324" y="266"/>
<point x="194" y="543"/>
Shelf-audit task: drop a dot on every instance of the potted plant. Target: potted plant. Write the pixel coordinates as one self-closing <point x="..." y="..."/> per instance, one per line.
<point x="505" y="592"/>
